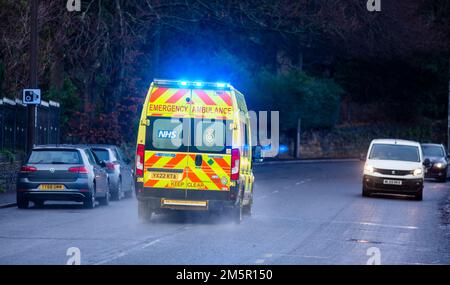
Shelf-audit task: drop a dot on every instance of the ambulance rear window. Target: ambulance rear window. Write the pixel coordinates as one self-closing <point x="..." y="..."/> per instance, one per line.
<point x="209" y="136"/>
<point x="167" y="134"/>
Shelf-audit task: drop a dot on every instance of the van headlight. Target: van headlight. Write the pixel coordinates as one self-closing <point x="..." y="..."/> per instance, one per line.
<point x="440" y="165"/>
<point x="368" y="169"/>
<point x="418" y="172"/>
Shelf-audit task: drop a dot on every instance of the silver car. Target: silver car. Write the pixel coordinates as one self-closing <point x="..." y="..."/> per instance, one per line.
<point x="119" y="171"/>
<point x="62" y="173"/>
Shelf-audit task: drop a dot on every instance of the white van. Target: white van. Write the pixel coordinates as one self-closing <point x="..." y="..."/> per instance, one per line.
<point x="394" y="167"/>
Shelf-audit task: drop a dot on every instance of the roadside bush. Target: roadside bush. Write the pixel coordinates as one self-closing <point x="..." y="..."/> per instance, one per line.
<point x="297" y="95"/>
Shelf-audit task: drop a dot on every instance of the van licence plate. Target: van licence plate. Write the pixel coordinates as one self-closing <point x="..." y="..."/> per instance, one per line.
<point x="51" y="187"/>
<point x="166" y="176"/>
<point x="392" y="182"/>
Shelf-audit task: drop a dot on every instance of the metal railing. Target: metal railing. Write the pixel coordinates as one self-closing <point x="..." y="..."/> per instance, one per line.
<point x="13" y="124"/>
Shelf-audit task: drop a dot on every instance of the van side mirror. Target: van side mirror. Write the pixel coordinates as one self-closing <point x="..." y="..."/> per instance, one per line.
<point x="362" y="157"/>
<point x="257" y="154"/>
<point x="427" y="163"/>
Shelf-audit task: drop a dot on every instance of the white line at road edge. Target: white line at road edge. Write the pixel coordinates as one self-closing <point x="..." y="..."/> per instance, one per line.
<point x="309" y="161"/>
<point x="388" y="226"/>
<point x="123" y="253"/>
<point x="337" y="222"/>
<point x="151" y="243"/>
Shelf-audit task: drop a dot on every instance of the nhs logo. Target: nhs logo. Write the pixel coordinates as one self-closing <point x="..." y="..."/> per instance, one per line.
<point x="163" y="134"/>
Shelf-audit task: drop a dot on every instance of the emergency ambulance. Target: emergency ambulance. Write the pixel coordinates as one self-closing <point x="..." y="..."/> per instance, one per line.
<point x="194" y="150"/>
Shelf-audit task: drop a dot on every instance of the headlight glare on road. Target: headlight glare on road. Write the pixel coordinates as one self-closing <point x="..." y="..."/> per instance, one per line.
<point x="418" y="172"/>
<point x="368" y="168"/>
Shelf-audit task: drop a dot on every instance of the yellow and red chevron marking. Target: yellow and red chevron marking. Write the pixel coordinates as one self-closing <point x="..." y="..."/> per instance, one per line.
<point x="158" y="162"/>
<point x="171" y="102"/>
<point x="204" y="177"/>
<point x="209" y="175"/>
<point x="168" y="102"/>
<point x="211" y="98"/>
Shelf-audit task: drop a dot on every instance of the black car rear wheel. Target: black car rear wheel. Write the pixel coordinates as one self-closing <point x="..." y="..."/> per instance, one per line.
<point x="129" y="194"/>
<point x="39" y="203"/>
<point x="105" y="200"/>
<point x="117" y="195"/>
<point x="89" y="202"/>
<point x="22" y="203"/>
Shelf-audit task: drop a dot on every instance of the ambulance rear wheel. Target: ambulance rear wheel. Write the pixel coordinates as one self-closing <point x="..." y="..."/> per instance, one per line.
<point x="145" y="211"/>
<point x="247" y="210"/>
<point x="236" y="213"/>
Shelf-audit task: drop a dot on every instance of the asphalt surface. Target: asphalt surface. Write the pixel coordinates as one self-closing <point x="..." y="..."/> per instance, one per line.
<point x="303" y="214"/>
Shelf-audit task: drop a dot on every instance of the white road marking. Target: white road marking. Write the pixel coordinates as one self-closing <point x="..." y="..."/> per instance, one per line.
<point x="302" y="256"/>
<point x="388" y="226"/>
<point x="151" y="243"/>
<point x="259" y="261"/>
<point x="339" y="222"/>
<point x="276" y="191"/>
<point x="125" y="252"/>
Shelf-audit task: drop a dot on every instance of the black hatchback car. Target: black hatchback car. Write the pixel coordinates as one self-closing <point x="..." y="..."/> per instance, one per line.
<point x="439" y="161"/>
<point x="62" y="173"/>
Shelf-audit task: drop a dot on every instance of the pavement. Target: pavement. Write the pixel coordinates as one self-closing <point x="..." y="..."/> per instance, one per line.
<point x="303" y="214"/>
<point x="7" y="199"/>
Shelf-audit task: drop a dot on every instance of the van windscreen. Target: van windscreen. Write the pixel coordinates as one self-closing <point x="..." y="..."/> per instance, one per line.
<point x="395" y="152"/>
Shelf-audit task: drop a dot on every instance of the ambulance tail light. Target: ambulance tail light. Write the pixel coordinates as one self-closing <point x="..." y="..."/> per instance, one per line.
<point x="235" y="162"/>
<point x="140" y="151"/>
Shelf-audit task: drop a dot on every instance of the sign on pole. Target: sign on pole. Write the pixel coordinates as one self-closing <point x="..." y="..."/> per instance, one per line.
<point x="31" y="96"/>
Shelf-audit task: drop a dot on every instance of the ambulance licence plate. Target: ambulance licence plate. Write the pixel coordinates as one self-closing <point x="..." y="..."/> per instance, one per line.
<point x="392" y="182"/>
<point x="166" y="176"/>
<point x="51" y="187"/>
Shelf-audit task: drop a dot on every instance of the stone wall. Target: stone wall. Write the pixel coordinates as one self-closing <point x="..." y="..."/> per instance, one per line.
<point x="8" y="174"/>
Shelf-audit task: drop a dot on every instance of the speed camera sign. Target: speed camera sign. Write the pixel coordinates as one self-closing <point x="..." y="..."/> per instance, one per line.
<point x="31" y="96"/>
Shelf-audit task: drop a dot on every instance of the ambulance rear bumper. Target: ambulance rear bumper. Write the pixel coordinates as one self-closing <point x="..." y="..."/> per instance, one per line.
<point x="216" y="200"/>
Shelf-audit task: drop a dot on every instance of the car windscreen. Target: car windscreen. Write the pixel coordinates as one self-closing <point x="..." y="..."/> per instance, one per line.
<point x="101" y="154"/>
<point x="55" y="156"/>
<point x="432" y="151"/>
<point x="395" y="152"/>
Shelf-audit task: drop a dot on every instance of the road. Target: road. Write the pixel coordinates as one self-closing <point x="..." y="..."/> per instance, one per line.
<point x="303" y="214"/>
